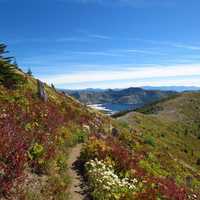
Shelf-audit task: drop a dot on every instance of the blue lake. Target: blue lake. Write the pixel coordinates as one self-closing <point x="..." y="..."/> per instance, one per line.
<point x="111" y="108"/>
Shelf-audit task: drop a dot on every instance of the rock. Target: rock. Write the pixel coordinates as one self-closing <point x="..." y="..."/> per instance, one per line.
<point x="41" y="91"/>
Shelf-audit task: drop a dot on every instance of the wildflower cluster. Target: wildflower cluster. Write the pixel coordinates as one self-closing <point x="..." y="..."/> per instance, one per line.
<point x="102" y="176"/>
<point x="106" y="184"/>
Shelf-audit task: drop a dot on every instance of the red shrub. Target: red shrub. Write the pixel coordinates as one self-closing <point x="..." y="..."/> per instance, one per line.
<point x="126" y="160"/>
<point x="170" y="189"/>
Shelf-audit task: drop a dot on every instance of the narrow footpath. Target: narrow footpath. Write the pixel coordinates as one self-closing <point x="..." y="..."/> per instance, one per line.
<point x="78" y="189"/>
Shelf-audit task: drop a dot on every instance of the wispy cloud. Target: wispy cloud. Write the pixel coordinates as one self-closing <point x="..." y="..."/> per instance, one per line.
<point x="49" y="40"/>
<point x="63" y="58"/>
<point x="169" y="44"/>
<point x="190" y="47"/>
<point x="97" y="36"/>
<point x="88" y="34"/>
<point x="86" y="37"/>
<point x="184" y="81"/>
<point x="139" y="74"/>
<point x="119" y="52"/>
<point x="74" y="39"/>
<point x="98" y="53"/>
<point x="141" y="51"/>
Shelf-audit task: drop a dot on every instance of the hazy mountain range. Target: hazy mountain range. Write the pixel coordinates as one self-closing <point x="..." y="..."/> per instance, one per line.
<point x="115" y="100"/>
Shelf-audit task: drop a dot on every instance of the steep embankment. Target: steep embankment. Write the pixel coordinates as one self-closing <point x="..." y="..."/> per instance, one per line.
<point x="37" y="129"/>
<point x="171" y="131"/>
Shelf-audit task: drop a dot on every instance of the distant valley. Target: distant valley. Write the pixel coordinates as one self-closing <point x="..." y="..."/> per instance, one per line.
<point x="117" y="100"/>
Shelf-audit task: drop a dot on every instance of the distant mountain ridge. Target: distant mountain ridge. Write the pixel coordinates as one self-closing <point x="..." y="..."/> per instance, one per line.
<point x="162" y="88"/>
<point x="119" y="96"/>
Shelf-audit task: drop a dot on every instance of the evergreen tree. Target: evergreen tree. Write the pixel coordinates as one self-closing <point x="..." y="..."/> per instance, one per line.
<point x="16" y="64"/>
<point x="29" y="72"/>
<point x="4" y="51"/>
<point x="53" y="87"/>
<point x="9" y="77"/>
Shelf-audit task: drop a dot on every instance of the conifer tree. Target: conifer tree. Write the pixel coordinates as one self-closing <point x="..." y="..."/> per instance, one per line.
<point x="29" y="72"/>
<point x="8" y="73"/>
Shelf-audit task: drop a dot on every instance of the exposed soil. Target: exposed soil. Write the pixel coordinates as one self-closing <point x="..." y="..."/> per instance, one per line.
<point x="78" y="188"/>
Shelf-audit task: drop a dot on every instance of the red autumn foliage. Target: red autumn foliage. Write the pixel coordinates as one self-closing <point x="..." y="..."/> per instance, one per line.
<point x="13" y="148"/>
<point x="170" y="189"/>
<point x="26" y="120"/>
<point x="126" y="160"/>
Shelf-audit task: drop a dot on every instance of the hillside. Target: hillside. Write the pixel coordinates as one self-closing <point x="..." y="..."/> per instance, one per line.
<point x="170" y="130"/>
<point x="124" y="96"/>
<point x="38" y="126"/>
<point x="41" y="156"/>
<point x="35" y="138"/>
<point x="37" y="135"/>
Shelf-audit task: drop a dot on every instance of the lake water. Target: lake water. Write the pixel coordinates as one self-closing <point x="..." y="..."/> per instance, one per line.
<point x="113" y="108"/>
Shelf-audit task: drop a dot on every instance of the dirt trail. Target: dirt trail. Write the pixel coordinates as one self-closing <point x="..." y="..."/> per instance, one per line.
<point x="77" y="190"/>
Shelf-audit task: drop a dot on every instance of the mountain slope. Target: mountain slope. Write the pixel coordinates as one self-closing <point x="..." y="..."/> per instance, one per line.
<point x="35" y="138"/>
<point x="38" y="127"/>
<point x="171" y="131"/>
<point x="124" y="96"/>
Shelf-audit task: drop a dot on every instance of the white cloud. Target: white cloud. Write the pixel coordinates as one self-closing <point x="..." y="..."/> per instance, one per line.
<point x="140" y="75"/>
<point x="119" y="52"/>
<point x="97" y="36"/>
<point x="134" y="83"/>
<point x="170" y="44"/>
<point x="141" y="51"/>
<point x="190" y="47"/>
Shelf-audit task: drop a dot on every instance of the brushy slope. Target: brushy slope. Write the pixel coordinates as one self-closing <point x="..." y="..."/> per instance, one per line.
<point x="152" y="154"/>
<point x="170" y="130"/>
<point x="35" y="137"/>
<point x="136" y="162"/>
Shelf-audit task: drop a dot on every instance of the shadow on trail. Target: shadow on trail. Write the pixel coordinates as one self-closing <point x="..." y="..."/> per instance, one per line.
<point x="78" y="167"/>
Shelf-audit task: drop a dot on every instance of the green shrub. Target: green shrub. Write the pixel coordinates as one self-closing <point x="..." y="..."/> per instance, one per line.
<point x="152" y="166"/>
<point x="57" y="187"/>
<point x="36" y="151"/>
<point x="32" y="195"/>
<point x="150" y="140"/>
<point x="62" y="163"/>
<point x="79" y="136"/>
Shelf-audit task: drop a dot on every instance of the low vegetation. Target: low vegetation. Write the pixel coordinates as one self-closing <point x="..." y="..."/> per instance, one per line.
<point x="36" y="135"/>
<point x="153" y="155"/>
<point x="125" y="175"/>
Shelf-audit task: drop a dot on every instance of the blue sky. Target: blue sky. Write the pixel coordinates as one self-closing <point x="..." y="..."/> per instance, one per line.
<point x="105" y="43"/>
